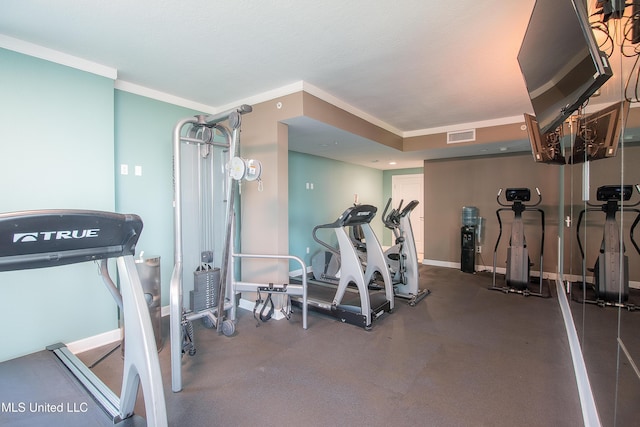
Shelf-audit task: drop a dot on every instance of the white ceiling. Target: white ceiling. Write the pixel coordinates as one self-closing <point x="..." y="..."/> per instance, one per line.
<point x="412" y="66"/>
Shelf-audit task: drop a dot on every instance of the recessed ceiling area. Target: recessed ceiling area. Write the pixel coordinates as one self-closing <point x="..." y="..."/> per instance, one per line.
<point x="313" y="137"/>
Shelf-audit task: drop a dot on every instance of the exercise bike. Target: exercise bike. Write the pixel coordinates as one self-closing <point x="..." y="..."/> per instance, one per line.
<point x="518" y="265"/>
<point x="611" y="269"/>
<point x="402" y="257"/>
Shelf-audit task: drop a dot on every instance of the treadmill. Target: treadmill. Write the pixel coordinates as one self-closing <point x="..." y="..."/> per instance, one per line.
<point x="52" y="386"/>
<point x="351" y="300"/>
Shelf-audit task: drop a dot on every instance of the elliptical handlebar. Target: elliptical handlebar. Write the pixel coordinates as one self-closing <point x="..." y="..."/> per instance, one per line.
<point x="539" y="197"/>
<point x="409" y="208"/>
<point x="637" y="187"/>
<point x="635" y="222"/>
<point x="631" y="231"/>
<point x="384" y="213"/>
<point x="392" y="220"/>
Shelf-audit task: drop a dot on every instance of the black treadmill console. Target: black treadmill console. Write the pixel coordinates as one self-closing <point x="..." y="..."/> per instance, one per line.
<point x="518" y="195"/>
<point x="357" y="215"/>
<point x="614" y="192"/>
<point x="48" y="238"/>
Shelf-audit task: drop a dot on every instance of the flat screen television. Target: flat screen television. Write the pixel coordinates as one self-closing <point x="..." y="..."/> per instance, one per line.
<point x="546" y="147"/>
<point x="598" y="134"/>
<point x="560" y="60"/>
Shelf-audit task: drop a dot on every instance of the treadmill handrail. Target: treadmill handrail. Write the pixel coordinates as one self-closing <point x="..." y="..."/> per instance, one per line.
<point x="354" y="215"/>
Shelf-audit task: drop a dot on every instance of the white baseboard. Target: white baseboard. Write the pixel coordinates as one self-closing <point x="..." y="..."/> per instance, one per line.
<point x="164" y="310"/>
<point x="95" y="341"/>
<point x="437" y="263"/>
<point x="298" y="272"/>
<point x="500" y="270"/>
<point x="587" y="402"/>
<point x="589" y="279"/>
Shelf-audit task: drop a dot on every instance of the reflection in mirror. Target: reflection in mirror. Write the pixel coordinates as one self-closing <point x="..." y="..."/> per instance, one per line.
<point x="605" y="234"/>
<point x="600" y="249"/>
<point x="628" y="378"/>
<point x="609" y="279"/>
<point x="598" y="134"/>
<point x="606" y="258"/>
<point x="602" y="260"/>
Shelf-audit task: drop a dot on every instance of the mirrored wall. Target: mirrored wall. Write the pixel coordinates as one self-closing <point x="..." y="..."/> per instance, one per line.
<point x="602" y="210"/>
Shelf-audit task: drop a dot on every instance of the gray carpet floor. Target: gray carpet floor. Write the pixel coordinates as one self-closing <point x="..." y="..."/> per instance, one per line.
<point x="464" y="356"/>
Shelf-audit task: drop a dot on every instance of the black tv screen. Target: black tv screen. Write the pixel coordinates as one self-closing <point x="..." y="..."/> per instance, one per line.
<point x="560" y="60"/>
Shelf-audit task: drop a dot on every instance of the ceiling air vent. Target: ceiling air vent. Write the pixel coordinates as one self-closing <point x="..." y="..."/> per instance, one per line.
<point x="461" y="136"/>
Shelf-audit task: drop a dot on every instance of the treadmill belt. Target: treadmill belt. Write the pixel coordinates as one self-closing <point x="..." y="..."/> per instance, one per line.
<point x="38" y="390"/>
<point x="326" y="291"/>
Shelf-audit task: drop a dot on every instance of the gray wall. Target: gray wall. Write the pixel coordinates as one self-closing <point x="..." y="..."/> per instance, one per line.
<point x="601" y="172"/>
<point x="453" y="183"/>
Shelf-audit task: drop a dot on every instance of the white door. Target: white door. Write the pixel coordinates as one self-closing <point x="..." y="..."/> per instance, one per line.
<point x="408" y="188"/>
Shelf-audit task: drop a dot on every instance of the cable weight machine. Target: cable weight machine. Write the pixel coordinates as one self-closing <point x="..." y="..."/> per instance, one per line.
<point x="208" y="158"/>
<point x="209" y="234"/>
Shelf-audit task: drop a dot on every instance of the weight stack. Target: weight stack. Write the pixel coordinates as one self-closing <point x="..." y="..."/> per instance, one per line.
<point x="205" y="289"/>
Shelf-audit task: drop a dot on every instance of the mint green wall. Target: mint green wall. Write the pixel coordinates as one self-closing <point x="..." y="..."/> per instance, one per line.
<point x="387" y="239"/>
<point x="144" y="137"/>
<point x="56" y="146"/>
<point x="334" y="186"/>
<point x="63" y="135"/>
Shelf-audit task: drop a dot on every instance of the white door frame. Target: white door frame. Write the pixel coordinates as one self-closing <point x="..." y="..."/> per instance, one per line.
<point x="411" y="187"/>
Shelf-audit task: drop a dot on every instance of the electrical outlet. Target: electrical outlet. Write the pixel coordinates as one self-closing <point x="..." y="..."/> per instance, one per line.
<point x="478" y="249"/>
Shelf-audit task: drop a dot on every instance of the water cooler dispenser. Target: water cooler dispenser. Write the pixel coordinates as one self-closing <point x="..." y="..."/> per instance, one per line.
<point x="468" y="234"/>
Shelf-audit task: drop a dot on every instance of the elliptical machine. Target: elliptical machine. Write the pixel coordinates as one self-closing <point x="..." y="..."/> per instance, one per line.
<point x="518" y="266"/>
<point x="611" y="269"/>
<point x="402" y="257"/>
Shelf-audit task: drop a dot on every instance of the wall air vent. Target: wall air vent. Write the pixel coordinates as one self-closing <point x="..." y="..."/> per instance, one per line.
<point x="461" y="136"/>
